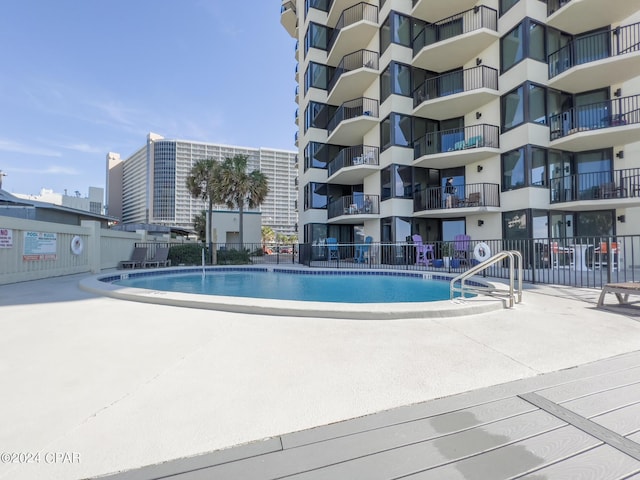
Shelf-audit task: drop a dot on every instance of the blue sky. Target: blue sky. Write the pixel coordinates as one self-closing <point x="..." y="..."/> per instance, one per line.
<point x="80" y="78"/>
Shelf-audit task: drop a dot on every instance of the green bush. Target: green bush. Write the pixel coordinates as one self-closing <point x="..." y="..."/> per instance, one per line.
<point x="187" y="254"/>
<point x="233" y="257"/>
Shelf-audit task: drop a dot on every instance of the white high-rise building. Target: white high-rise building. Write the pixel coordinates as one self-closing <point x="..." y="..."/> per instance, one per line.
<point x="531" y="107"/>
<point x="150" y="185"/>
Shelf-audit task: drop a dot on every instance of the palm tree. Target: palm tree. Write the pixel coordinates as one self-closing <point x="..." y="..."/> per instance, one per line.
<point x="241" y="189"/>
<point x="203" y="182"/>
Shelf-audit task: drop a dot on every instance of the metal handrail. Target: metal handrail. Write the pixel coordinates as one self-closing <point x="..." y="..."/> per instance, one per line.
<point x="514" y="257"/>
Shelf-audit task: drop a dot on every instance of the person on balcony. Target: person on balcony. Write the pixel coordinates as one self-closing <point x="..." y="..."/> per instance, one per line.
<point x="449" y="192"/>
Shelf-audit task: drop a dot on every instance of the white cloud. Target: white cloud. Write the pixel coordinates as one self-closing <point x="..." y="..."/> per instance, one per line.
<point x="16" y="147"/>
<point x="50" y="170"/>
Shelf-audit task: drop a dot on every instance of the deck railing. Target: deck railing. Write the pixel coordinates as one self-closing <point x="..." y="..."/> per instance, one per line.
<point x="597" y="46"/>
<point x="456" y="82"/>
<point x="457" y="139"/>
<point x="595" y="116"/>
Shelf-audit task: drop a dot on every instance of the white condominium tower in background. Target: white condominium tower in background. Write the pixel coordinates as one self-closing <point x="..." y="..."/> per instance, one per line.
<point x="149" y="187"/>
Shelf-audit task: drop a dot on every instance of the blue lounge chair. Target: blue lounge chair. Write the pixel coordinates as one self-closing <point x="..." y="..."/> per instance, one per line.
<point x="362" y="250"/>
<point x="332" y="249"/>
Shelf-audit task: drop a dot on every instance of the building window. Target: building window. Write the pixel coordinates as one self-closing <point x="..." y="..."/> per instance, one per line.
<point x="317" y="4"/>
<point x="395" y="130"/>
<point x="513" y="169"/>
<point x="318" y="155"/>
<point x="396" y="182"/>
<point x="395" y="79"/>
<point x="317" y="37"/>
<point x="524" y="167"/>
<point x="527" y="103"/>
<point x="316" y="76"/>
<point x="506" y="5"/>
<point x="316" y="115"/>
<point x="395" y="29"/>
<point x="315" y="196"/>
<point x="526" y="40"/>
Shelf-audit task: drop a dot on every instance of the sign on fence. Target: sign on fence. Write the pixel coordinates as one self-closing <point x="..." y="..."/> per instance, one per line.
<point x="6" y="238"/>
<point x="40" y="246"/>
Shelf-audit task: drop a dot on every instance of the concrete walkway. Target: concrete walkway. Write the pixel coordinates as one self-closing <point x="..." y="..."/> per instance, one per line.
<point x="99" y="385"/>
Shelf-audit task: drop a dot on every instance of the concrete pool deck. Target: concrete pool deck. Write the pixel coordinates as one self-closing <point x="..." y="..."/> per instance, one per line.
<point x="119" y="385"/>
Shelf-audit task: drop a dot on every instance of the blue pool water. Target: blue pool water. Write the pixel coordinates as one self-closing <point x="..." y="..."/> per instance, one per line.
<point x="349" y="288"/>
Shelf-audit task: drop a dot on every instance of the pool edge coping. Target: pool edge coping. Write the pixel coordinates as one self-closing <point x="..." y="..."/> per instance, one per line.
<point x="295" y="308"/>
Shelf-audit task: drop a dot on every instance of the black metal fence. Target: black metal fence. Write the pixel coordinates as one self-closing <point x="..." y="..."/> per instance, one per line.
<point x="352" y="109"/>
<point x="597" y="46"/>
<point x="456" y="82"/>
<point x="588" y="261"/>
<point x="579" y="261"/>
<point x="354" y="61"/>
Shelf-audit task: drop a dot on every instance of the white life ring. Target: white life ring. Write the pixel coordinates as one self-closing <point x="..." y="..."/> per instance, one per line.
<point x="76" y="245"/>
<point x="481" y="252"/>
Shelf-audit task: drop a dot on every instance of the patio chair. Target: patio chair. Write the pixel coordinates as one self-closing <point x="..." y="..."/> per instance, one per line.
<point x="601" y="255"/>
<point x="424" y="253"/>
<point x="160" y="258"/>
<point x="461" y="244"/>
<point x="473" y="200"/>
<point x="137" y="258"/>
<point x="561" y="256"/>
<point x="332" y="249"/>
<point x="363" y="250"/>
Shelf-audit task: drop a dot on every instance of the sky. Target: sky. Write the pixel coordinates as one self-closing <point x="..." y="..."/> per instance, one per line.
<point x="81" y="78"/>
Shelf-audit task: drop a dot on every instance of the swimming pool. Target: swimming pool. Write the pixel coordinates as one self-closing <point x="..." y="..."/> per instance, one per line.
<point x="320" y="286"/>
<point x="106" y="284"/>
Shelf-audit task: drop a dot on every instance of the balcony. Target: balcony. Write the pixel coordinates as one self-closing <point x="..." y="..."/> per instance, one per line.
<point x="352" y="120"/>
<point x="597" y="190"/>
<point x="466" y="199"/>
<point x="453" y="41"/>
<point x="583" y="15"/>
<point x="597" y="60"/>
<point x="354" y="31"/>
<point x="288" y="17"/>
<point x="352" y="164"/>
<point x="337" y="7"/>
<point x="353" y="209"/>
<point x="353" y="75"/>
<point x="456" y="147"/>
<point x="597" y="125"/>
<point x="432" y="11"/>
<point x="457" y="93"/>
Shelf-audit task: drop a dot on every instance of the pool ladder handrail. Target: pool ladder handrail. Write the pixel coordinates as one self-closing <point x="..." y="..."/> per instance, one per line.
<point x="514" y="294"/>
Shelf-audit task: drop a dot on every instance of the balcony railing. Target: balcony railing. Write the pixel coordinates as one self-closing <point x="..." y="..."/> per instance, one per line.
<point x="357" y="13"/>
<point x="359" y="107"/>
<point x="457" y="139"/>
<point x="598" y="46"/>
<point x="623" y="183"/>
<point x="353" y="156"/>
<point x="459" y="24"/>
<point x="354" y="61"/>
<point x="456" y="82"/>
<point x="463" y="196"/>
<point x="554" y="5"/>
<point x="595" y="116"/>
<point x="354" y="205"/>
<point x="288" y="5"/>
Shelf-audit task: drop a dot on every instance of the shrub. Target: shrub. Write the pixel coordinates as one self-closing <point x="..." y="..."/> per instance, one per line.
<point x="233" y="257"/>
<point x="186" y="254"/>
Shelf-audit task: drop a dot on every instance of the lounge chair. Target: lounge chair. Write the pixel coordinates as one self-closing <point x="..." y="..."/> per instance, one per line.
<point x="424" y="253"/>
<point x="362" y="250"/>
<point x="461" y="244"/>
<point x="137" y="258"/>
<point x="160" y="258"/>
<point x="332" y="249"/>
